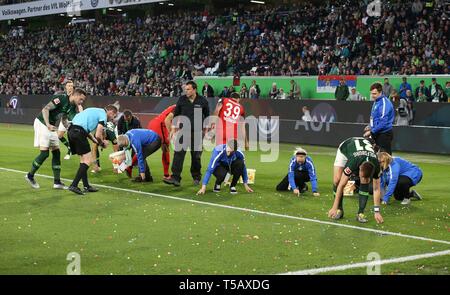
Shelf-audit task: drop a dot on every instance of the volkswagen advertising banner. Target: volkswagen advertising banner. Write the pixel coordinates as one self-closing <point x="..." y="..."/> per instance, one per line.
<point x="71" y="7"/>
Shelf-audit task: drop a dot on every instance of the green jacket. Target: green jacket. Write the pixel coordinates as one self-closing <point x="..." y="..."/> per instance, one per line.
<point x="341" y="92"/>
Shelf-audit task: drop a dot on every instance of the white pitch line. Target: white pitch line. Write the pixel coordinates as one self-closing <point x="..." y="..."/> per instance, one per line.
<point x="365" y="264"/>
<point x="382" y="232"/>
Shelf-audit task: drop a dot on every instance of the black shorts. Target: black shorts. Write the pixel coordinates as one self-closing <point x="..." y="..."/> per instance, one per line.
<point x="78" y="140"/>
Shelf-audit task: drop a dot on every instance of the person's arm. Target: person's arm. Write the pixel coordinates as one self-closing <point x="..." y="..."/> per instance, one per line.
<point x="380" y="119"/>
<point x="213" y="162"/>
<point x="120" y="126"/>
<point x="205" y="114"/>
<point x="339" y="195"/>
<point x="291" y="175"/>
<point x="168" y="123"/>
<point x="376" y="200"/>
<point x="347" y="93"/>
<point x="137" y="146"/>
<point x="393" y="180"/>
<point x="244" y="173"/>
<point x="80" y="108"/>
<point x="216" y="113"/>
<point x="46" y="114"/>
<point x="138" y="123"/>
<point x="312" y="177"/>
<point x="99" y="135"/>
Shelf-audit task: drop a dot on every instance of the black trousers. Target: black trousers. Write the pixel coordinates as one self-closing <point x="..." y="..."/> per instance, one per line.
<point x="384" y="141"/>
<point x="301" y="178"/>
<point x="196" y="160"/>
<point x="236" y="170"/>
<point x="147" y="150"/>
<point x="401" y="192"/>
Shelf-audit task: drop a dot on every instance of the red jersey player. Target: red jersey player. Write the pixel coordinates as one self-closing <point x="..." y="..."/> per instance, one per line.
<point x="159" y="125"/>
<point x="230" y="113"/>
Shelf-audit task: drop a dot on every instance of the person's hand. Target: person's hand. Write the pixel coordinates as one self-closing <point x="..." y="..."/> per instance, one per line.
<point x="297" y="192"/>
<point x="332" y="212"/>
<point x="202" y="190"/>
<point x="366" y="134"/>
<point x="367" y="128"/>
<point x="246" y="146"/>
<point x="51" y="127"/>
<point x="378" y="217"/>
<point x="316" y="194"/>
<point x="248" y="188"/>
<point x="104" y="144"/>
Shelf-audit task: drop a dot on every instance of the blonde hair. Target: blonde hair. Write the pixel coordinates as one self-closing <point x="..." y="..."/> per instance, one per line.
<point x="300" y="150"/>
<point x="122" y="140"/>
<point x="385" y="156"/>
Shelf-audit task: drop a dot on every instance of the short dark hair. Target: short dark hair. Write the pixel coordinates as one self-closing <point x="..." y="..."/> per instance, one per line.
<point x="235" y="95"/>
<point x="433" y="79"/>
<point x="192" y="83"/>
<point x="111" y="107"/>
<point x="79" y="91"/>
<point x="422" y="81"/>
<point x="367" y="169"/>
<point x="376" y="86"/>
<point x="127" y="113"/>
<point x="232" y="143"/>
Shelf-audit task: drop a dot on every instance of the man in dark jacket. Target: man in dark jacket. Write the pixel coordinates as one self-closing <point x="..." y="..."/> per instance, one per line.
<point x="422" y="89"/>
<point x="341" y="92"/>
<point x="194" y="108"/>
<point x="437" y="93"/>
<point x="207" y="90"/>
<point x="127" y="122"/>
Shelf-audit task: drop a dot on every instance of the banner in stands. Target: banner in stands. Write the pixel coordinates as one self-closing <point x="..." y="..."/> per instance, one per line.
<point x="71" y="7"/>
<point x="328" y="84"/>
<point x="327" y="126"/>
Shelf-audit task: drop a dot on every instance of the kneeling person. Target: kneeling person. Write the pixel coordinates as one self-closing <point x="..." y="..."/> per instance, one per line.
<point x="226" y="158"/>
<point x="79" y="132"/>
<point x="144" y="142"/>
<point x="399" y="176"/>
<point x="355" y="156"/>
<point x="301" y="170"/>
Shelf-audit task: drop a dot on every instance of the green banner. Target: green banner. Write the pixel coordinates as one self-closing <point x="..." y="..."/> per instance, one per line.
<point x="308" y="85"/>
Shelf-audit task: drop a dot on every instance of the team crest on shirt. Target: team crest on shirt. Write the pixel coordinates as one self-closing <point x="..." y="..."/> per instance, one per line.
<point x="56" y="101"/>
<point x="348" y="171"/>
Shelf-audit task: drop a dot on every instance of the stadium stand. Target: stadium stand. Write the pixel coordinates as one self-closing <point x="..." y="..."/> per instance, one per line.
<point x="153" y="56"/>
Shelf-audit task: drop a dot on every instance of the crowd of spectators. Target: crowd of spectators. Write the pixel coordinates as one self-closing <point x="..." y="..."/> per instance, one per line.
<point x="153" y="56"/>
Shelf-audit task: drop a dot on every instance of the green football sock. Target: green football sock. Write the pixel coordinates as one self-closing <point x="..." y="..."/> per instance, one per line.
<point x="56" y="165"/>
<point x="40" y="159"/>
<point x="363" y="196"/>
<point x="66" y="143"/>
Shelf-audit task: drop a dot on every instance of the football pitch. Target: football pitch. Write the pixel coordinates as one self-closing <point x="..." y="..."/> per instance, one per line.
<point x="153" y="228"/>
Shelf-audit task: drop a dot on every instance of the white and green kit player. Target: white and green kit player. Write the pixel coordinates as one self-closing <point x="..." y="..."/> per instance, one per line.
<point x="355" y="156"/>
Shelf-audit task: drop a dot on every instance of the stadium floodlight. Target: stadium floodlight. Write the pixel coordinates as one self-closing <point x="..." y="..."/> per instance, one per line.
<point x="119" y="9"/>
<point x="257" y="2"/>
<point x="171" y="4"/>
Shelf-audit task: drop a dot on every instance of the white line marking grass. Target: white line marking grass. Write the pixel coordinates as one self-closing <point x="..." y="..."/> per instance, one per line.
<point x="380" y="232"/>
<point x="367" y="264"/>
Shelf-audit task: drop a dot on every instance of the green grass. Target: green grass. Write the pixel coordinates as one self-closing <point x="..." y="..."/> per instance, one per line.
<point x="130" y="233"/>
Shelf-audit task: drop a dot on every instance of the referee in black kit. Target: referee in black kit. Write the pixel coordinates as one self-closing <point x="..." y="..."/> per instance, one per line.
<point x="189" y="105"/>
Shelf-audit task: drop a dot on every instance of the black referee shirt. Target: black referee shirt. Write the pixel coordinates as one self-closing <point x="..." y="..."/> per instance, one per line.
<point x="186" y="108"/>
